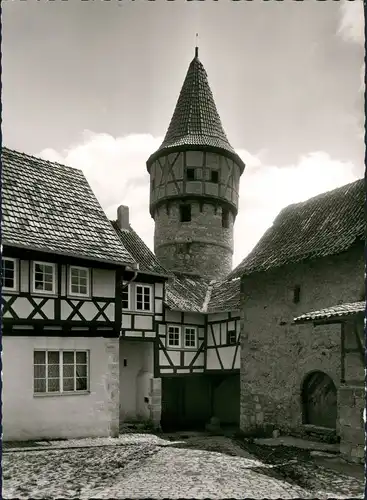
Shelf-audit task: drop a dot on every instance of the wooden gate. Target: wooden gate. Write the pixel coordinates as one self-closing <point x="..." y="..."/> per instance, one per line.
<point x="319" y="398"/>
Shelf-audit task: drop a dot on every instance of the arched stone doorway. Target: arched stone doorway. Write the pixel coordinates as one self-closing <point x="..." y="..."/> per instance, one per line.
<point x="319" y="400"/>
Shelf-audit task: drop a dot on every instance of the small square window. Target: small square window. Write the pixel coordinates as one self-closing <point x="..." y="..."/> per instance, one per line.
<point x="190" y="336"/>
<point x="214" y="176"/>
<point x="9" y="274"/>
<point x="44" y="280"/>
<point x="231" y="337"/>
<point x="190" y="174"/>
<point x="79" y="281"/>
<point x="185" y="213"/>
<point x="173" y="336"/>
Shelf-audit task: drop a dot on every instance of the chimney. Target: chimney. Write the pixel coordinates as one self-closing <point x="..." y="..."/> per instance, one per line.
<point x="123" y="217"/>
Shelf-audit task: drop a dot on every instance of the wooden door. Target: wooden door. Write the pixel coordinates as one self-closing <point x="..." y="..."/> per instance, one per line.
<point x="320" y="400"/>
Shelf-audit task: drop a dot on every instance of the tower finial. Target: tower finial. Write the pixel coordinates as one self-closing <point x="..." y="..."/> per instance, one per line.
<point x="196" y="46"/>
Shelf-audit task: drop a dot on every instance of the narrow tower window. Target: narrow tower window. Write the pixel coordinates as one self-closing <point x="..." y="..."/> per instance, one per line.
<point x="225" y="218"/>
<point x="190" y="174"/>
<point x="214" y="176"/>
<point x="185" y="213"/>
<point x="296" y="294"/>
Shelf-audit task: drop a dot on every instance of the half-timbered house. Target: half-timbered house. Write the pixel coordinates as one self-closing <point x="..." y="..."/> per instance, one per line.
<point x="62" y="267"/>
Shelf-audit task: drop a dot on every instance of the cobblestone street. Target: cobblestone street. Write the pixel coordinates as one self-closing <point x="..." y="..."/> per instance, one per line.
<point x="146" y="466"/>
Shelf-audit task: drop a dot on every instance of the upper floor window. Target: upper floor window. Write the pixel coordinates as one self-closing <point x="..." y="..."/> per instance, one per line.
<point x="231" y="337"/>
<point x="79" y="281"/>
<point x="174" y="336"/>
<point x="190" y="174"/>
<point x="143" y="297"/>
<point x="44" y="277"/>
<point x="214" y="176"/>
<point x="137" y="297"/>
<point x="9" y="274"/>
<point x="185" y="213"/>
<point x="60" y="371"/>
<point x="190" y="336"/>
<point x="225" y="218"/>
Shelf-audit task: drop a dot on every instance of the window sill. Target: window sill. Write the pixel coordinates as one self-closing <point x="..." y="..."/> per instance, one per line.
<point x="79" y="297"/>
<point x="44" y="295"/>
<point x="6" y="291"/>
<point x="133" y="311"/>
<point x="52" y="394"/>
<point x="176" y="348"/>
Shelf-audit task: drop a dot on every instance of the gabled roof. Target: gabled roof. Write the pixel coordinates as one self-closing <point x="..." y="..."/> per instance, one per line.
<point x="195" y="121"/>
<point x="335" y="312"/>
<point x="148" y="262"/>
<point x="51" y="208"/>
<point x="187" y="293"/>
<point x="324" y="225"/>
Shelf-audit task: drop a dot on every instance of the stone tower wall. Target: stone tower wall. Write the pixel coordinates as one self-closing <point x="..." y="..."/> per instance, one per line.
<point x="201" y="245"/>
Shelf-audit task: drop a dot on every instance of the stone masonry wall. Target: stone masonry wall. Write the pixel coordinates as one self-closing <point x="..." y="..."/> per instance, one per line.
<point x="156" y="401"/>
<point x="201" y="245"/>
<point x="277" y="355"/>
<point x="112" y="385"/>
<point x="352" y="401"/>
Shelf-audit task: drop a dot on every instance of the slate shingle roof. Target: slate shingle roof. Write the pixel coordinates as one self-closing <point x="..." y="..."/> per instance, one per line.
<point x="324" y="225"/>
<point x="195" y="121"/>
<point x="142" y="254"/>
<point x="50" y="207"/>
<point x="333" y="312"/>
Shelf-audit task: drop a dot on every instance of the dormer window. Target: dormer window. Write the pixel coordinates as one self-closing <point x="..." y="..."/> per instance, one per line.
<point x="190" y="174"/>
<point x="214" y="176"/>
<point x="185" y="213"/>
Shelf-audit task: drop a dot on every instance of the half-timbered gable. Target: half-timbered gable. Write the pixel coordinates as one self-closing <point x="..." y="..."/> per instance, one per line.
<point x="62" y="270"/>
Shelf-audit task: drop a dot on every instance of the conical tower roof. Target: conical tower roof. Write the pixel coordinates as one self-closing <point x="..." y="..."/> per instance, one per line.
<point x="195" y="121"/>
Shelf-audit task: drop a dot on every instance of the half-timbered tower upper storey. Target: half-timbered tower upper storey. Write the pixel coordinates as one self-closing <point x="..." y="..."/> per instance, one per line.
<point x="195" y="176"/>
<point x="62" y="262"/>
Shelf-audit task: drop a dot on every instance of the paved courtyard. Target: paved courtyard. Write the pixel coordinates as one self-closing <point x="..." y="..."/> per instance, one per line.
<point x="146" y="466"/>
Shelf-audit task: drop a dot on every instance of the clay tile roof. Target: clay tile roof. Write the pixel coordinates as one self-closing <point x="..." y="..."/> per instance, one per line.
<point x="195" y="121"/>
<point x="333" y="312"/>
<point x="225" y="296"/>
<point x="187" y="293"/>
<point x="324" y="225"/>
<point x="142" y="254"/>
<point x="51" y="208"/>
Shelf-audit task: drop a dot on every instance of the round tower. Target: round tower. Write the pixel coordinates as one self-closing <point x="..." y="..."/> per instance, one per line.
<point x="194" y="184"/>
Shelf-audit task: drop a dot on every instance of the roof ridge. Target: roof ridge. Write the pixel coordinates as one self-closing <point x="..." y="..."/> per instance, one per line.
<point x="4" y="149"/>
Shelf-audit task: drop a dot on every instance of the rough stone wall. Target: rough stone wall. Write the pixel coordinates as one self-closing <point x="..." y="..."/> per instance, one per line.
<point x="112" y="386"/>
<point x="201" y="245"/>
<point x="156" y="401"/>
<point x="352" y="401"/>
<point x="277" y="355"/>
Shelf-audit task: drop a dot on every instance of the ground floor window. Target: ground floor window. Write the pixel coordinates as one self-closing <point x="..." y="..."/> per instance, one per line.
<point x="60" y="371"/>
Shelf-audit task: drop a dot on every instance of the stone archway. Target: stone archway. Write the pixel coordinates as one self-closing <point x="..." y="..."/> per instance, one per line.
<point x="319" y="400"/>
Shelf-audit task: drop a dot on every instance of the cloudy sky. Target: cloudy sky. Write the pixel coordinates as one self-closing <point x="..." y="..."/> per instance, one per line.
<point x="94" y="84"/>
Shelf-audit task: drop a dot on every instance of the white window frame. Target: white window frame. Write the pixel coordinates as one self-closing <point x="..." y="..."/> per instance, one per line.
<point x="196" y="337"/>
<point x="41" y="292"/>
<point x="74" y="294"/>
<point x="61" y="374"/>
<point x="16" y="283"/>
<point x="151" y="295"/>
<point x="179" y="339"/>
<point x="127" y="289"/>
